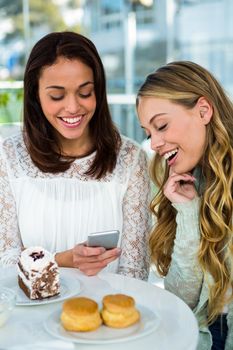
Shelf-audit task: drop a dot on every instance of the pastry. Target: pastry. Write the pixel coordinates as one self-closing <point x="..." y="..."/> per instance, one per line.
<point x="38" y="274"/>
<point x="119" y="311"/>
<point x="80" y="315"/>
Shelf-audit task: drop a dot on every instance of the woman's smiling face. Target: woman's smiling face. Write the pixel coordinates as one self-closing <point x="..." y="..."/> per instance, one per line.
<point x="67" y="97"/>
<point x="178" y="134"/>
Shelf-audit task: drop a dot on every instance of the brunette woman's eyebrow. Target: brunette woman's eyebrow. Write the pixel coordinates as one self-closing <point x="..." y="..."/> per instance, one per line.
<point x="55" y="87"/>
<point x="62" y="88"/>
<point x="86" y="83"/>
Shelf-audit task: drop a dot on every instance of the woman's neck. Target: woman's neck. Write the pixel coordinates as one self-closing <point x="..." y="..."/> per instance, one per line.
<point x="77" y="148"/>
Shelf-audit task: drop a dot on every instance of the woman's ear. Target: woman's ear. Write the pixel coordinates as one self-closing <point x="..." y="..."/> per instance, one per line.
<point x="205" y="110"/>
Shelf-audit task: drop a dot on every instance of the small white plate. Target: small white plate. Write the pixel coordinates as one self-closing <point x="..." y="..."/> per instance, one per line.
<point x="148" y="323"/>
<point x="69" y="287"/>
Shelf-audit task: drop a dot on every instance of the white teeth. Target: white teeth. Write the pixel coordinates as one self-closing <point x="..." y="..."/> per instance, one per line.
<point x="72" y="120"/>
<point x="169" y="154"/>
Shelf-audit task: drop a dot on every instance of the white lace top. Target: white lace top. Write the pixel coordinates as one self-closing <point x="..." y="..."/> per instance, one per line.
<point x="57" y="211"/>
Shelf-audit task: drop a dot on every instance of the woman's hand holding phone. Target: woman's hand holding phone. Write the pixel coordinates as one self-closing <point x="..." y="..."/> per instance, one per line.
<point x="92" y="256"/>
<point x="91" y="260"/>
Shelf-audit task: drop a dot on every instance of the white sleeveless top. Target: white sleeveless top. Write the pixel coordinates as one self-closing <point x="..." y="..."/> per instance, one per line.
<point x="57" y="211"/>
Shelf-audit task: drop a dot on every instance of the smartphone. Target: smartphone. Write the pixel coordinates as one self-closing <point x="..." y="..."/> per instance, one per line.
<point x="106" y="239"/>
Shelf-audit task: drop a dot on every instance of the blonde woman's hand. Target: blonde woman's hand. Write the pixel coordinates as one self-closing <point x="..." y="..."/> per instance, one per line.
<point x="180" y="188"/>
<point x="91" y="260"/>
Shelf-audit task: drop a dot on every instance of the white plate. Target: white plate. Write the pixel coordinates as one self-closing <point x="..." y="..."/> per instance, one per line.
<point x="148" y="323"/>
<point x="69" y="287"/>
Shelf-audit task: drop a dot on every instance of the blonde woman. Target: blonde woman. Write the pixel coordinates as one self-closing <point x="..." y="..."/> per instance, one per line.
<point x="189" y="120"/>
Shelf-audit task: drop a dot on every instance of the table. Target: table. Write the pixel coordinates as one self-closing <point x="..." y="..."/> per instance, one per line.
<point x="177" y="328"/>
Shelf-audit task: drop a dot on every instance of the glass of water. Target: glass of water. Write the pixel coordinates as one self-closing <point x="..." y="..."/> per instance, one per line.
<point x="7" y="303"/>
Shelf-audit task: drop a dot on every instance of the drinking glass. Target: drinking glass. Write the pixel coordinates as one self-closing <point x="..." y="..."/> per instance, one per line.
<point x="7" y="303"/>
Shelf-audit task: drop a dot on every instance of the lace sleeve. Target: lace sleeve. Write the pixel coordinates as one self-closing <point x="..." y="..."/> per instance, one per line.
<point x="134" y="259"/>
<point x="185" y="277"/>
<point x="10" y="242"/>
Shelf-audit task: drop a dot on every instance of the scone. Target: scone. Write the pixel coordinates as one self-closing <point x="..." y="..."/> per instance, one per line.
<point x="119" y="311"/>
<point x="80" y="315"/>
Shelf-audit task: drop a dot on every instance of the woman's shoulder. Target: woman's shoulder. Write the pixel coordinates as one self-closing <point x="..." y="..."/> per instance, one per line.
<point x="14" y="152"/>
<point x="13" y="139"/>
<point x="12" y="143"/>
<point x="129" y="145"/>
<point x="130" y="153"/>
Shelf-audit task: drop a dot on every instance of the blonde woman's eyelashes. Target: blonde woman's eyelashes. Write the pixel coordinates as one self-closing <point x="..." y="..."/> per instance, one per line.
<point x="162" y="127"/>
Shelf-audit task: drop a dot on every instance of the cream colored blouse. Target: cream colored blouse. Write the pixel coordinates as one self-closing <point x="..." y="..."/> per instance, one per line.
<point x="57" y="211"/>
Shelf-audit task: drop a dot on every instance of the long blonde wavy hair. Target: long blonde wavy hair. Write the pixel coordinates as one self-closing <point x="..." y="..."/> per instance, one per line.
<point x="184" y="83"/>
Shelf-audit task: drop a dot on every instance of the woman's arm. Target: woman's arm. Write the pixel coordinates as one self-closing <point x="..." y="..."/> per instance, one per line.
<point x="134" y="259"/>
<point x="185" y="275"/>
<point x="10" y="240"/>
<point x="89" y="260"/>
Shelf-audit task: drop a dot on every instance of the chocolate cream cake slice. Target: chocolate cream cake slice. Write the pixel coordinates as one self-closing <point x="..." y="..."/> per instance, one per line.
<point x="38" y="274"/>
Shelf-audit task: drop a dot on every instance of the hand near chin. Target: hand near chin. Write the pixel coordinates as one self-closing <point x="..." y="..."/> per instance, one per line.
<point x="180" y="188"/>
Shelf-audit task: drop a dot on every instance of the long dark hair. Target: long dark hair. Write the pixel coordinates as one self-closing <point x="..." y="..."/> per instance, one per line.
<point x="39" y="135"/>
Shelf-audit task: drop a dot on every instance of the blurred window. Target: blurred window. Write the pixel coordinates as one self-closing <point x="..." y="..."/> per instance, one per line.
<point x="109" y="6"/>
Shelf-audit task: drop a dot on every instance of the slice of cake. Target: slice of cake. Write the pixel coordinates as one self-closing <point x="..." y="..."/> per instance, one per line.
<point x="38" y="274"/>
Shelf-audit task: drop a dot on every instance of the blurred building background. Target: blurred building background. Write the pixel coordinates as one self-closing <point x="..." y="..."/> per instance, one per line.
<point x="133" y="37"/>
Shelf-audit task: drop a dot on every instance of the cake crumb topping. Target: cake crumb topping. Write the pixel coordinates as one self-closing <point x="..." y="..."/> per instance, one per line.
<point x="37" y="255"/>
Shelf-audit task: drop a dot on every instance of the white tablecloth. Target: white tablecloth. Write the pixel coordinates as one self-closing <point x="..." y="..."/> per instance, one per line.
<point x="177" y="328"/>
